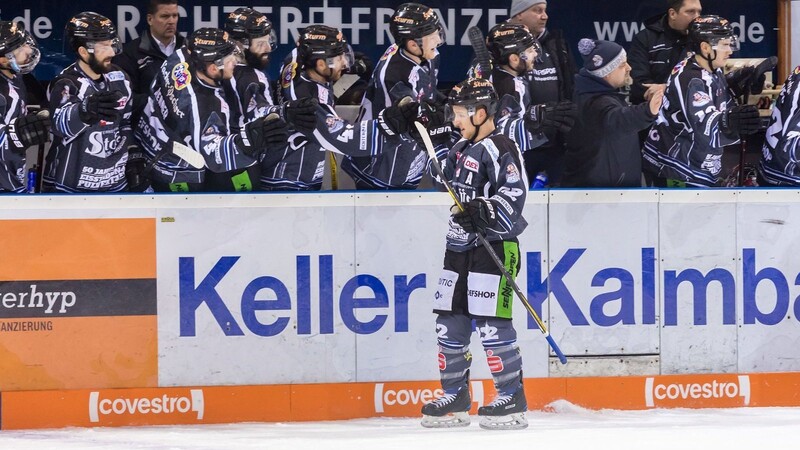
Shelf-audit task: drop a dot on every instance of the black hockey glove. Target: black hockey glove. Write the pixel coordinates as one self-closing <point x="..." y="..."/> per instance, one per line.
<point x="100" y="106"/>
<point x="399" y="118"/>
<point x="741" y="119"/>
<point x="135" y="170"/>
<point x="478" y="215"/>
<point x="30" y="129"/>
<point x="432" y="115"/>
<point x="260" y="132"/>
<point x="551" y="117"/>
<point x="362" y="66"/>
<point x="301" y="114"/>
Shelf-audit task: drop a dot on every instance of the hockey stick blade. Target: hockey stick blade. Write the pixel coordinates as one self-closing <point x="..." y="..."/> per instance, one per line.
<point x="478" y="43"/>
<point x="188" y="154"/>
<point x="435" y="163"/>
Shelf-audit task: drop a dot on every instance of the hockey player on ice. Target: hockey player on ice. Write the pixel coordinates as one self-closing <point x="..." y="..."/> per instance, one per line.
<point x="486" y="172"/>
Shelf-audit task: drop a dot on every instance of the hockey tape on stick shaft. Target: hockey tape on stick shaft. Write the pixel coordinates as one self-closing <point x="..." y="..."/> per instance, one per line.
<point x="481" y="52"/>
<point x="435" y="163"/>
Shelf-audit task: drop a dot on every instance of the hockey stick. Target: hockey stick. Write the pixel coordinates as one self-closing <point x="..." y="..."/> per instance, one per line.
<point x="478" y="43"/>
<point x="435" y="162"/>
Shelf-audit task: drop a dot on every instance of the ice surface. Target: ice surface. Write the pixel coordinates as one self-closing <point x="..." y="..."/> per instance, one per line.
<point x="564" y="426"/>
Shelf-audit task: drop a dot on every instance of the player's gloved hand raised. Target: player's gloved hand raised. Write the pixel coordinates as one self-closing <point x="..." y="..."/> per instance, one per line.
<point x="398" y="118"/>
<point x="743" y="81"/>
<point x="741" y="119"/>
<point x="432" y="115"/>
<point x="259" y="133"/>
<point x="478" y="215"/>
<point x="302" y="114"/>
<point x="31" y="129"/>
<point x="551" y="117"/>
<point x="100" y="106"/>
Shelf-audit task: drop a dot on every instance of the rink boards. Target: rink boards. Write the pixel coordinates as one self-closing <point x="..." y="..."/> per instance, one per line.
<point x="263" y="303"/>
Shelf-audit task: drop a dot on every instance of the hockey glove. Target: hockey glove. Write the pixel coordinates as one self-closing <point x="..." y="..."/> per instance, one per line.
<point x="276" y="132"/>
<point x="253" y="138"/>
<point x="478" y="215"/>
<point x="302" y="114"/>
<point x="741" y="119"/>
<point x="746" y="80"/>
<point x="100" y="106"/>
<point x="30" y="129"/>
<point x="398" y="119"/>
<point x="433" y="117"/>
<point x="551" y="117"/>
<point x="135" y="170"/>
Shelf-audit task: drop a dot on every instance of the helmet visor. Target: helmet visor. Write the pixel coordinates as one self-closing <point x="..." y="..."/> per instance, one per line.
<point x="727" y="43"/>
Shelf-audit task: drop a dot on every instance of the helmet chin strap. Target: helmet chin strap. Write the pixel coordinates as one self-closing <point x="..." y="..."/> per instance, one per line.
<point x="477" y="132"/>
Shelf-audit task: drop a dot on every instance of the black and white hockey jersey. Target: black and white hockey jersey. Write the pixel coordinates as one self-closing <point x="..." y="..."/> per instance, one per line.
<point x="395" y="76"/>
<point x="780" y="162"/>
<point x="686" y="142"/>
<point x="12" y="152"/>
<point x="491" y="168"/>
<point x="185" y="109"/>
<point x="301" y="165"/>
<point x="249" y="89"/>
<point x="87" y="158"/>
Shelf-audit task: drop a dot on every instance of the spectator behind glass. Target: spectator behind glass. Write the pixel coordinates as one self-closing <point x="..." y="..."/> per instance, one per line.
<point x="551" y="80"/>
<point x="142" y="57"/>
<point x="603" y="148"/>
<point x="659" y="47"/>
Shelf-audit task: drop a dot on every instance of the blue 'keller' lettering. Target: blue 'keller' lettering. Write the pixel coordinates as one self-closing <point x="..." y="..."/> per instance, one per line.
<point x="192" y="295"/>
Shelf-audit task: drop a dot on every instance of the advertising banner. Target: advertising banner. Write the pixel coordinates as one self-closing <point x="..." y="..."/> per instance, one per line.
<point x="77" y="303"/>
<point x="332" y="401"/>
<point x="365" y="23"/>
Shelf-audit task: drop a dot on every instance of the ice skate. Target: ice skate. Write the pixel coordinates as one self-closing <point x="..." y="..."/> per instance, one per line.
<point x="448" y="411"/>
<point x="506" y="412"/>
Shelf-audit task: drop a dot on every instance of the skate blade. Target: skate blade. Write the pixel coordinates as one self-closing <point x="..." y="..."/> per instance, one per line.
<point x="516" y="421"/>
<point x="452" y="420"/>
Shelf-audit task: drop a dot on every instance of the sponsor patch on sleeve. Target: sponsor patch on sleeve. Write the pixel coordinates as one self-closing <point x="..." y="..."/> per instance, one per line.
<point x="289" y="72"/>
<point x="116" y="75"/>
<point x="471" y="164"/>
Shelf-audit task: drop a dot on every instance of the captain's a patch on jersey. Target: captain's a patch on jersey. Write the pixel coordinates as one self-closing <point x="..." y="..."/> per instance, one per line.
<point x="180" y="75"/>
<point x="700" y="99"/>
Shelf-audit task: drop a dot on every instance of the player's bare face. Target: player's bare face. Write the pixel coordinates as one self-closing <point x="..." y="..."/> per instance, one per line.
<point x="164" y="23"/>
<point x="461" y="120"/>
<point x="723" y="53"/>
<point x="228" y="64"/>
<point x="430" y="43"/>
<point x="104" y="51"/>
<point x="261" y="48"/>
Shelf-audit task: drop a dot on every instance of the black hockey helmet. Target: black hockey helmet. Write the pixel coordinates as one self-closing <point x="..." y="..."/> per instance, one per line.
<point x="245" y="24"/>
<point x="507" y="39"/>
<point x="711" y="29"/>
<point x="414" y="21"/>
<point x="473" y="93"/>
<point x="12" y="37"/>
<point x="86" y="28"/>
<point x="322" y="42"/>
<point x="210" y="46"/>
